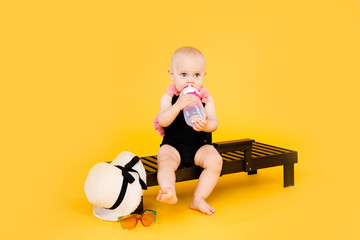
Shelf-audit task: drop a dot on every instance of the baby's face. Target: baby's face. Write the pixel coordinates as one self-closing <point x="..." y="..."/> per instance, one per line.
<point x="188" y="69"/>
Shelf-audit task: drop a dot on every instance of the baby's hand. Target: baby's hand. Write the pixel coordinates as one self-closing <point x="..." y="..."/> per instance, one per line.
<point x="200" y="125"/>
<point x="185" y="99"/>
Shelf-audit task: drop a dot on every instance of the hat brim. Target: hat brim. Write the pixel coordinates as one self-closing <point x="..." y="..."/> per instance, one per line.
<point x="104" y="183"/>
<point x="129" y="204"/>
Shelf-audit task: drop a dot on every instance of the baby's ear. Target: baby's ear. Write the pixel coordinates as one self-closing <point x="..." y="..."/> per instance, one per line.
<point x="171" y="74"/>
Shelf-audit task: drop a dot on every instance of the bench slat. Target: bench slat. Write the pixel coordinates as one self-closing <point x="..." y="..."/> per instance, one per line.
<point x="258" y="144"/>
<point x="275" y="160"/>
<point x="149" y="169"/>
<point x="150" y="164"/>
<point x="235" y="155"/>
<point x="268" y="151"/>
<point x="229" y="156"/>
<point x="261" y="152"/>
<point x="227" y="159"/>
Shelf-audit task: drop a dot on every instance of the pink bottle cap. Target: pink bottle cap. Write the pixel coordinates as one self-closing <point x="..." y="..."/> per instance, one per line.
<point x="191" y="90"/>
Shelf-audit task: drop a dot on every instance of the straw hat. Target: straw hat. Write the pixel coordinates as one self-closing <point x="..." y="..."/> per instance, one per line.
<point x="115" y="189"/>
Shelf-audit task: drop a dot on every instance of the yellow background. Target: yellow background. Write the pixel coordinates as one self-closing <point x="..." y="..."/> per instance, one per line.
<point x="81" y="81"/>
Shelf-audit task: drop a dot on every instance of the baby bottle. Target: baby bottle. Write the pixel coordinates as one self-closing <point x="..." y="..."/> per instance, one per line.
<point x="193" y="111"/>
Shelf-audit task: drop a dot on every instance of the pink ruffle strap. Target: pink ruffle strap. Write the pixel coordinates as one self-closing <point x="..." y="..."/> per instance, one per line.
<point x="204" y="94"/>
<point x="171" y="90"/>
<point x="157" y="126"/>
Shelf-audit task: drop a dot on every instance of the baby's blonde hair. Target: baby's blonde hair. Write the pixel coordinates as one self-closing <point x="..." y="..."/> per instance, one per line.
<point x="186" y="51"/>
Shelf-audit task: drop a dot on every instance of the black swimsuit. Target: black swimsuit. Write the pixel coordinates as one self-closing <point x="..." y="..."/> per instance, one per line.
<point x="183" y="138"/>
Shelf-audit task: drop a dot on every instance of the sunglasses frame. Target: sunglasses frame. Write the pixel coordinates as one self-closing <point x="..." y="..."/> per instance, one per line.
<point x="137" y="217"/>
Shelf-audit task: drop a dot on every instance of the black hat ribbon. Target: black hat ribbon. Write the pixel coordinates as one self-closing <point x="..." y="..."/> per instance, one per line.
<point x="128" y="179"/>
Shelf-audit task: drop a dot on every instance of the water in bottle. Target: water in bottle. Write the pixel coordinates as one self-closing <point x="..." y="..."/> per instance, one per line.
<point x="193" y="111"/>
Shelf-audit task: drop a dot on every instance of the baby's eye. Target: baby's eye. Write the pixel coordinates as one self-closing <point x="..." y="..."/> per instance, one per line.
<point x="197" y="75"/>
<point x="183" y="74"/>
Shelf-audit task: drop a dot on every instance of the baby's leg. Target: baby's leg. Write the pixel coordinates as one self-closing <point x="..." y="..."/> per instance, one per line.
<point x="210" y="160"/>
<point x="168" y="160"/>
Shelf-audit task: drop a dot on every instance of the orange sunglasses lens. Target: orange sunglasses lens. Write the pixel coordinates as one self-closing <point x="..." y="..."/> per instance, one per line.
<point x="129" y="222"/>
<point x="148" y="218"/>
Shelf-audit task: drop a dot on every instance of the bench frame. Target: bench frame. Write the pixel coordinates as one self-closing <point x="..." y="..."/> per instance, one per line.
<point x="250" y="162"/>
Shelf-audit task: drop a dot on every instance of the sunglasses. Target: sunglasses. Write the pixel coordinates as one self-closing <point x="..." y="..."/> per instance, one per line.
<point x="147" y="218"/>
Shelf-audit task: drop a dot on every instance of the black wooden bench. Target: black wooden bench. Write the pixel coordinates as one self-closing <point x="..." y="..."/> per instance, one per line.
<point x="244" y="155"/>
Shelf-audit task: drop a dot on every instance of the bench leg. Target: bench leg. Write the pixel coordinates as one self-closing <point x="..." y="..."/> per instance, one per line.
<point x="140" y="208"/>
<point x="289" y="175"/>
<point x="252" y="172"/>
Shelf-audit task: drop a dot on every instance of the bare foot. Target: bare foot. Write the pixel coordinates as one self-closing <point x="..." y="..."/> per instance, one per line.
<point x="201" y="205"/>
<point x="167" y="196"/>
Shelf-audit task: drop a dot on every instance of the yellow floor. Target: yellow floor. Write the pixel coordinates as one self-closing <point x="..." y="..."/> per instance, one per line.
<point x="248" y="207"/>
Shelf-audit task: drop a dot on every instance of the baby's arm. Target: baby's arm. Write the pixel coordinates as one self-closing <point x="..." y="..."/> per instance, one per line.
<point x="211" y="123"/>
<point x="168" y="112"/>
